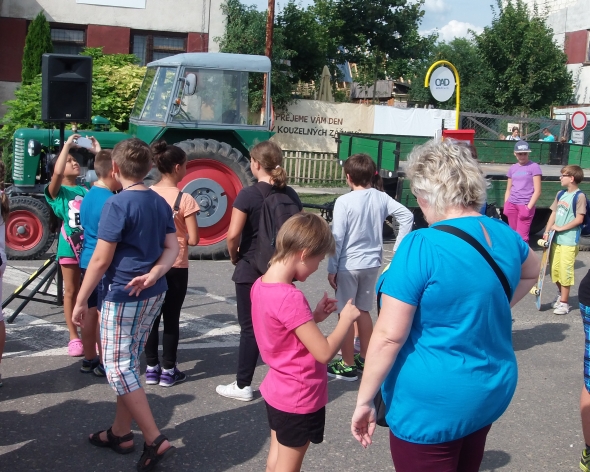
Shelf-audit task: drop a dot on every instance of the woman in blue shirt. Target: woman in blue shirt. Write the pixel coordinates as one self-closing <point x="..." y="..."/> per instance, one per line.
<point x="442" y="346"/>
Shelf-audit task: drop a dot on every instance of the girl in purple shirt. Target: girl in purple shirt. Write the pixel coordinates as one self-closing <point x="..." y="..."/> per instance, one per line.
<point x="523" y="189"/>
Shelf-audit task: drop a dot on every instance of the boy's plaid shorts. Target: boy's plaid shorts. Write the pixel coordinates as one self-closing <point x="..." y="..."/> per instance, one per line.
<point x="124" y="329"/>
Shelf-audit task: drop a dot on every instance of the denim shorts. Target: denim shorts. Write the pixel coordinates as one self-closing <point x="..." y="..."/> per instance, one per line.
<point x="585" y="312"/>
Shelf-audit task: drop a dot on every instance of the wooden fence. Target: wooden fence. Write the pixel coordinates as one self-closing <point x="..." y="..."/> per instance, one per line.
<point x="313" y="167"/>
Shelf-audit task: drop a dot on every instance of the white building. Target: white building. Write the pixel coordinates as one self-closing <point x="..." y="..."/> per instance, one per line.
<point x="150" y="29"/>
<point x="548" y="6"/>
<point x="570" y="21"/>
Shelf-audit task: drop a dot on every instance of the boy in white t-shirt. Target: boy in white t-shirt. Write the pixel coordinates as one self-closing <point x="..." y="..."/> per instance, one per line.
<point x="353" y="270"/>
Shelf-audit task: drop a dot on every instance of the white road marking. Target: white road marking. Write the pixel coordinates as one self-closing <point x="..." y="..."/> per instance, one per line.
<point x="44" y="338"/>
<point x="14" y="276"/>
<point x="219" y="298"/>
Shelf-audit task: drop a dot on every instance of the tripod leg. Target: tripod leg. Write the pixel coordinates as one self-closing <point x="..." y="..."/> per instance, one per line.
<point x="34" y="291"/>
<point x="31" y="278"/>
<point x="60" y="285"/>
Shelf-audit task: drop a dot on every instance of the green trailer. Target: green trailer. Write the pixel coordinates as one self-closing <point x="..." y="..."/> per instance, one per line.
<point x="203" y="103"/>
<point x="390" y="153"/>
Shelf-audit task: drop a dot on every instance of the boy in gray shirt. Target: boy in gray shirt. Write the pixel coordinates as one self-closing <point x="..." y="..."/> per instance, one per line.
<point x="353" y="269"/>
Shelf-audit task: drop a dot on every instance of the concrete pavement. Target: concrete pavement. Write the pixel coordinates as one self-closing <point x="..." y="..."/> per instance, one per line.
<point x="47" y="407"/>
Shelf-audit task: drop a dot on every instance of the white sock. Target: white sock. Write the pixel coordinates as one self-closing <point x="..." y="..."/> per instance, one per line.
<point x="168" y="371"/>
<point x="153" y="367"/>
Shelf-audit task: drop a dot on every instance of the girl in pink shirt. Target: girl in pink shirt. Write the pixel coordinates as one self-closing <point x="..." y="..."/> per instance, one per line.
<point x="295" y="388"/>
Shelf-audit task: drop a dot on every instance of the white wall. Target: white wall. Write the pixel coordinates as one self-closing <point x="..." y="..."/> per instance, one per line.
<point x="575" y="17"/>
<point x="569" y="16"/>
<point x="547" y="6"/>
<point x="6" y="93"/>
<point x="158" y="15"/>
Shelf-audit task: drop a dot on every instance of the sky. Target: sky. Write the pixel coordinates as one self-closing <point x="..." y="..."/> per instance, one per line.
<point x="452" y="18"/>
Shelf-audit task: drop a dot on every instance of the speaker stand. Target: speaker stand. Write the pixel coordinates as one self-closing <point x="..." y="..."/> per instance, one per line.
<point x="62" y="135"/>
<point x="53" y="271"/>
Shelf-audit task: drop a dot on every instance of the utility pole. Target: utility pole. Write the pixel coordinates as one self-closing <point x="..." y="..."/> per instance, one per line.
<point x="270" y="22"/>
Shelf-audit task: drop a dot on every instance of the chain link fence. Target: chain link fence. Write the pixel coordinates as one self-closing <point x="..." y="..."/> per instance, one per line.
<point x="499" y="126"/>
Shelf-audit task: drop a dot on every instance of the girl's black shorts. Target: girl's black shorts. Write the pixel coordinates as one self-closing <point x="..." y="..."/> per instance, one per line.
<point x="294" y="429"/>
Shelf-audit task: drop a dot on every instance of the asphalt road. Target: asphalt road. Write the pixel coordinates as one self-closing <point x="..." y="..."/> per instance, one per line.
<point x="47" y="407"/>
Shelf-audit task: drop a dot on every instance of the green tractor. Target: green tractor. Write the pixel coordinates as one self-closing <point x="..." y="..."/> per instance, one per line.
<point x="203" y="103"/>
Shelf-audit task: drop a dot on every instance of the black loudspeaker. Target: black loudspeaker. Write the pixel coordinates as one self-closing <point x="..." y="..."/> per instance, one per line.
<point x="67" y="88"/>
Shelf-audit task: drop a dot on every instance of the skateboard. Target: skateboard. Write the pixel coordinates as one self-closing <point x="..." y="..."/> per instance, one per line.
<point x="537" y="290"/>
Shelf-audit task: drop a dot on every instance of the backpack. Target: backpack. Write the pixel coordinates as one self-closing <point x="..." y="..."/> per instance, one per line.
<point x="277" y="208"/>
<point x="585" y="226"/>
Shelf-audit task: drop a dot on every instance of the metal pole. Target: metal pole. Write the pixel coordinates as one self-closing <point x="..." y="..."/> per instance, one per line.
<point x="457" y="84"/>
<point x="62" y="135"/>
<point x="270" y="22"/>
<point x="60" y="279"/>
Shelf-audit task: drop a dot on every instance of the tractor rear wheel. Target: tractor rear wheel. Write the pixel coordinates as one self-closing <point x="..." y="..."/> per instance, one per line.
<point x="215" y="173"/>
<point x="27" y="229"/>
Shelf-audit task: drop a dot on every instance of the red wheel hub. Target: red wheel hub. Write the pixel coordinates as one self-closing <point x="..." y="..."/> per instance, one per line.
<point x="226" y="178"/>
<point x="23" y="230"/>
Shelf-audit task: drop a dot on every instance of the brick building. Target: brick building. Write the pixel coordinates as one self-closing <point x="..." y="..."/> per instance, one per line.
<point x="150" y="29"/>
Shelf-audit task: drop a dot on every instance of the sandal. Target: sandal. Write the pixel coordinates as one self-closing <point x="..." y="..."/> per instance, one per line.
<point x="75" y="348"/>
<point x="113" y="441"/>
<point x="150" y="453"/>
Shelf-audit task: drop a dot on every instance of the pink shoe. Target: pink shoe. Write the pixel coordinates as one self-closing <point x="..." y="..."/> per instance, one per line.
<point x="75" y="348"/>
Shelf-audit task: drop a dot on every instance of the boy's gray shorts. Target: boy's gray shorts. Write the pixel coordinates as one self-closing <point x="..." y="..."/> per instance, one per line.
<point x="358" y="285"/>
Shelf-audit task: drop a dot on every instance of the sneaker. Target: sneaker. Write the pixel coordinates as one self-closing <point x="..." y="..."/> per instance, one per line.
<point x="152" y="375"/>
<point x="585" y="461"/>
<point x="99" y="371"/>
<point x="357" y="345"/>
<point x="360" y="364"/>
<point x="232" y="391"/>
<point x="339" y="370"/>
<point x="562" y="309"/>
<point x="169" y="377"/>
<point x="557" y="301"/>
<point x="88" y="366"/>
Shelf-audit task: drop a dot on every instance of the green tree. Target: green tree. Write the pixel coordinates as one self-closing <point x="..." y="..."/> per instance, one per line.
<point x="245" y="33"/>
<point x="528" y="69"/>
<point x="474" y="74"/>
<point x="37" y="43"/>
<point x="379" y="35"/>
<point x="305" y="37"/>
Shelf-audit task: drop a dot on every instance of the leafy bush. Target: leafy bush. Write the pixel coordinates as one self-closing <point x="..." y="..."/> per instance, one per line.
<point x="115" y="82"/>
<point x="116" y="79"/>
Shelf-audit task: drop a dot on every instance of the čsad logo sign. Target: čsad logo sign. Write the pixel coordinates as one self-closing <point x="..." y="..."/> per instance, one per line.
<point x="442" y="84"/>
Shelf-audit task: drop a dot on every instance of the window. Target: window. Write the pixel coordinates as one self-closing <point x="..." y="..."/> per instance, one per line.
<point x="151" y="47"/>
<point x="221" y="97"/>
<point x="154" y="94"/>
<point x="68" y="41"/>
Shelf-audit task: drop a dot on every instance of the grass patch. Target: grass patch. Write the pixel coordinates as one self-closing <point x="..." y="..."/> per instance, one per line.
<point x="317" y="199"/>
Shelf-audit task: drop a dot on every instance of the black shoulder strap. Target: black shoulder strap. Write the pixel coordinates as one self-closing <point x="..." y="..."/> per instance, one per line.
<point x="177" y="202"/>
<point x="485" y="254"/>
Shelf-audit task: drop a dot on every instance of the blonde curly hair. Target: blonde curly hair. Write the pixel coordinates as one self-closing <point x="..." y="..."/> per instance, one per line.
<point x="446" y="174"/>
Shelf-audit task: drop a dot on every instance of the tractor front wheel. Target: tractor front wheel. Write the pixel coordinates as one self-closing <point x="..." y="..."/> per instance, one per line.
<point x="215" y="173"/>
<point x="27" y="229"/>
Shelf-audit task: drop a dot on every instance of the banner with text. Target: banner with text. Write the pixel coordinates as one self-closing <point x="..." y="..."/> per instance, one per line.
<point x="312" y="125"/>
